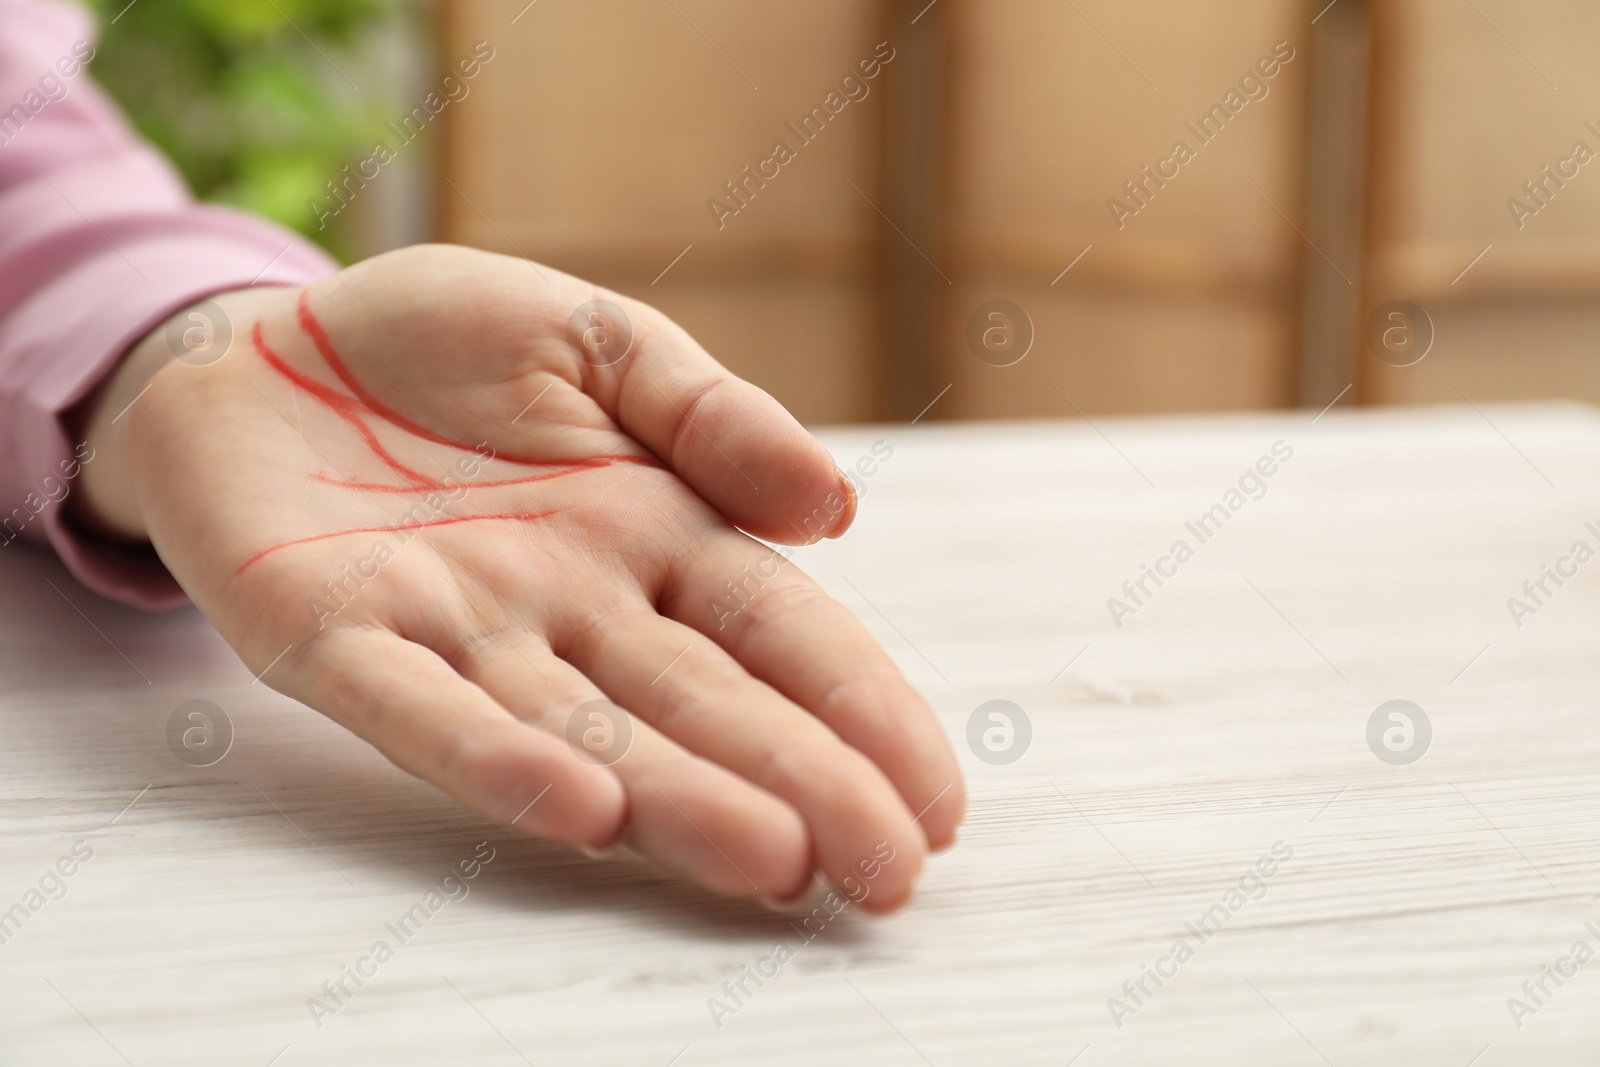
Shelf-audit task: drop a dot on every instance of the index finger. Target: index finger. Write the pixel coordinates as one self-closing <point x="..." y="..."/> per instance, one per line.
<point x="784" y="629"/>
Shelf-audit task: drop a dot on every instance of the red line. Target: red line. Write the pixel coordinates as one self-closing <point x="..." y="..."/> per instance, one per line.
<point x="444" y="487"/>
<point x="345" y="407"/>
<point x="350" y="409"/>
<point x="334" y="399"/>
<point x="528" y="517"/>
<point x="319" y="337"/>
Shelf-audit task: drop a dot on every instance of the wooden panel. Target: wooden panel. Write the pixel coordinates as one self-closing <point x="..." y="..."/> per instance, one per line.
<point x="811" y="342"/>
<point x="1480" y="98"/>
<point x="601" y="160"/>
<point x="1125" y="350"/>
<point x="602" y="130"/>
<point x="1053" y="120"/>
<point x="1059" y="106"/>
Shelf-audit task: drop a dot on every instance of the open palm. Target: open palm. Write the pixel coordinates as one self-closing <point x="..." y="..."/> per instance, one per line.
<point x="453" y="500"/>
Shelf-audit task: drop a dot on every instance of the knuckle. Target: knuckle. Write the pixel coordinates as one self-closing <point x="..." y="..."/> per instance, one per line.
<point x="773" y="603"/>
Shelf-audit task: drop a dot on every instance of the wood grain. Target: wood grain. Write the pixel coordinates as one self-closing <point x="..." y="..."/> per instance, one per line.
<point x="1227" y="715"/>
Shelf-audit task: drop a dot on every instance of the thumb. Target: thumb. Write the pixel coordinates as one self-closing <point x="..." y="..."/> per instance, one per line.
<point x="731" y="442"/>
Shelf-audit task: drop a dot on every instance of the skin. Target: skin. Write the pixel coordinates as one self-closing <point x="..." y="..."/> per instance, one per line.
<point x="768" y="743"/>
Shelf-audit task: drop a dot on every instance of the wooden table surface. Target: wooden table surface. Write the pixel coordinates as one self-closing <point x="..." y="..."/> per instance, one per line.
<point x="1227" y="717"/>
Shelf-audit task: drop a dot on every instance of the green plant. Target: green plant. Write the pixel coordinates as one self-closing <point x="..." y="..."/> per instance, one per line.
<point x="252" y="99"/>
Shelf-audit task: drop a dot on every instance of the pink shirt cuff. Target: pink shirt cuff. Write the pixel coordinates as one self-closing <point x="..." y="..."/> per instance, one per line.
<point x="93" y="311"/>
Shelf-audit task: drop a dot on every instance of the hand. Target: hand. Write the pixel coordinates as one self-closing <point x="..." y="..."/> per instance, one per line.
<point x="464" y="519"/>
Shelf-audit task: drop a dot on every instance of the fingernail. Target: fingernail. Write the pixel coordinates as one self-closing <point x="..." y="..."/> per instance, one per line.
<point x="848" y="515"/>
<point x="783" y="907"/>
<point x="597" y="853"/>
<point x="787" y="907"/>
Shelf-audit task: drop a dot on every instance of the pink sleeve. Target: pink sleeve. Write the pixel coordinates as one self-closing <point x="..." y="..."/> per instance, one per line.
<point x="100" y="242"/>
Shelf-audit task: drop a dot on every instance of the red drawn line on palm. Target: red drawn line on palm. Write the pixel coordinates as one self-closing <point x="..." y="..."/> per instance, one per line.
<point x="312" y="327"/>
<point x="384" y="487"/>
<point x="397" y="528"/>
<point x="343" y="406"/>
<point x="352" y="411"/>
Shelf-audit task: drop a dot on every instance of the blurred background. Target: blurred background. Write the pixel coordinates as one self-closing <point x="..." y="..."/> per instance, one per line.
<point x="1411" y="184"/>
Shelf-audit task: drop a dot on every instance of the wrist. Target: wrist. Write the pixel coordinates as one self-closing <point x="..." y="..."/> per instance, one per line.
<point x="183" y="354"/>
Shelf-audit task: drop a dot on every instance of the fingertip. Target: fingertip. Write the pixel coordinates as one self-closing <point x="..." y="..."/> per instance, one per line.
<point x="942" y="815"/>
<point x="886" y="902"/>
<point x="606" y="820"/>
<point x="882" y="880"/>
<point x="751" y="460"/>
<point x="779" y="856"/>
<point x="576" y="803"/>
<point x="788" y="905"/>
<point x="847" y="516"/>
<point x="599" y="818"/>
<point x="897" y="876"/>
<point x="698" y="819"/>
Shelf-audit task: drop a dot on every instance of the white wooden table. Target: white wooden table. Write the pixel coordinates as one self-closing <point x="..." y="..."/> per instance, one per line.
<point x="1228" y="714"/>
